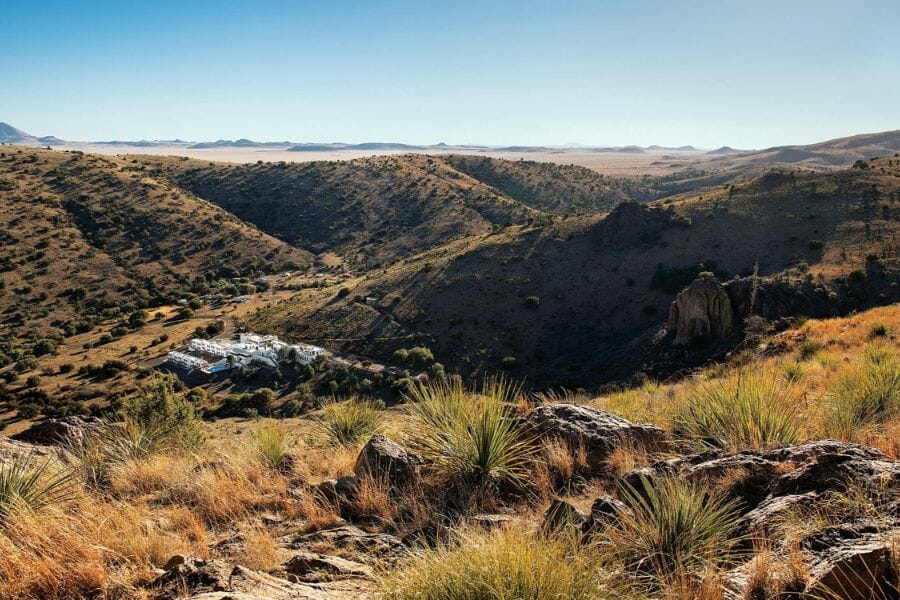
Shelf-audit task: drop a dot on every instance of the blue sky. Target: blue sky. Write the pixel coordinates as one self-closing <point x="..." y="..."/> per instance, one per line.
<point x="746" y="73"/>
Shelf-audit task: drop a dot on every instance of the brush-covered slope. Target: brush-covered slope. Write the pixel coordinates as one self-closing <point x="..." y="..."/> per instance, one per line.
<point x="375" y="210"/>
<point x="578" y="302"/>
<point x="87" y="235"/>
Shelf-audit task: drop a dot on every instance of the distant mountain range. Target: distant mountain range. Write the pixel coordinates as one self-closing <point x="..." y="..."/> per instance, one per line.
<point x="12" y="135"/>
<point x="830" y="153"/>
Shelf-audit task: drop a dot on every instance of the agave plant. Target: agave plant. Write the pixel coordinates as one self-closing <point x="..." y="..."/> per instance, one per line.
<point x="27" y="483"/>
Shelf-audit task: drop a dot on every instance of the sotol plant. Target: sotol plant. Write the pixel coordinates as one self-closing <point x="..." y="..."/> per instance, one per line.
<point x="29" y="484"/>
<point x="746" y="411"/>
<point x="469" y="437"/>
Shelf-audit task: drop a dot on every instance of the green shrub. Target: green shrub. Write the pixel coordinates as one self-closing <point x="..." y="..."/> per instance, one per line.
<point x="878" y="330"/>
<point x="470" y="438"/>
<point x="350" y="421"/>
<point x="675" y="528"/>
<point x="865" y="396"/>
<point x="158" y="405"/>
<point x="746" y="411"/>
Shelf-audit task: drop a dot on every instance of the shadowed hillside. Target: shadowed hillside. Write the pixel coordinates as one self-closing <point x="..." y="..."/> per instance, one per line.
<point x="578" y="302"/>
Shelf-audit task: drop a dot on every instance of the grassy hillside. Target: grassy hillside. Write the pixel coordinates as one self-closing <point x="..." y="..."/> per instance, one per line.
<point x="87" y="237"/>
<point x="578" y="302"/>
<point x="251" y="506"/>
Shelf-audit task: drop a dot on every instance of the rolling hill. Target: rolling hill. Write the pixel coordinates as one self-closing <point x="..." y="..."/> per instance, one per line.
<point x="579" y="302"/>
<point x="376" y="210"/>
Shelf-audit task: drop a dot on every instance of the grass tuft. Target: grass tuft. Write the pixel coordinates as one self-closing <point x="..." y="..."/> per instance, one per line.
<point x="865" y="396"/>
<point x="504" y="563"/>
<point x="350" y="421"/>
<point x="28" y="484"/>
<point x="270" y="446"/>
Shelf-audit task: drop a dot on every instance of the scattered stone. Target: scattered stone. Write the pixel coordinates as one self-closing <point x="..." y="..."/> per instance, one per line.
<point x="597" y="431"/>
<point x="604" y="511"/>
<point x="312" y="566"/>
<point x="385" y="460"/>
<point x="350" y="539"/>
<point x="339" y="491"/>
<point x="489" y="522"/>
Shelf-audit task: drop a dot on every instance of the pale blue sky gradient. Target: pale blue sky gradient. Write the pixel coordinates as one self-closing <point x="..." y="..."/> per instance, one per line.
<point x="749" y="74"/>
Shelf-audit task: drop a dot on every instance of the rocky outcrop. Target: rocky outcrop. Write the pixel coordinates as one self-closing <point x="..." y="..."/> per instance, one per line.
<point x="52" y="432"/>
<point x="13" y="450"/>
<point x="701" y="313"/>
<point x="597" y="431"/>
<point x="385" y="460"/>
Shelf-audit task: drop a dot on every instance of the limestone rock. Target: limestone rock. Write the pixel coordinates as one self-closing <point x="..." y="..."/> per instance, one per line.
<point x="702" y="312"/>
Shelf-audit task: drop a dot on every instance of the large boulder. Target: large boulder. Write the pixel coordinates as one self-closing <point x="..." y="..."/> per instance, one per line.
<point x="597" y="431"/>
<point x="385" y="460"/>
<point x="701" y="313"/>
<point x="53" y="432"/>
<point x="561" y="515"/>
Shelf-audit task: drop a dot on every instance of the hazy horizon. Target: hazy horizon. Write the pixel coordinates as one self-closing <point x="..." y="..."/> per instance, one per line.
<point x="705" y="74"/>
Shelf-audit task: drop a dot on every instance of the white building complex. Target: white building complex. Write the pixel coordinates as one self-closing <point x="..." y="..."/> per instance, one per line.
<point x="211" y="356"/>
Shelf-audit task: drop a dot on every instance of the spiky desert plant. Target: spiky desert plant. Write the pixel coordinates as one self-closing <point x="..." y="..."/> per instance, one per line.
<point x="503" y="563"/>
<point x="675" y="529"/>
<point x="27" y="483"/>
<point x="270" y="446"/>
<point x="745" y="411"/>
<point x="470" y="437"/>
<point x="349" y="421"/>
<point x="865" y="396"/>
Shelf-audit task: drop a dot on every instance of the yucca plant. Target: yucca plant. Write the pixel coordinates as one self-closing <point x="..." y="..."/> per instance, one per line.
<point x="866" y="395"/>
<point x="675" y="529"/>
<point x="746" y="411"/>
<point x="270" y="445"/>
<point x="348" y="422"/>
<point x="112" y="443"/>
<point x="469" y="437"/>
<point x="503" y="564"/>
<point x="27" y="483"/>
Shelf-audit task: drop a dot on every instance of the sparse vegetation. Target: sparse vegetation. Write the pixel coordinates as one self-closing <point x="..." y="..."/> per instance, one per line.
<point x="349" y="421"/>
